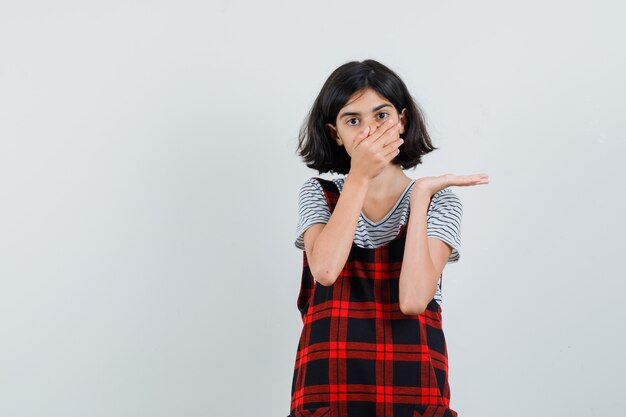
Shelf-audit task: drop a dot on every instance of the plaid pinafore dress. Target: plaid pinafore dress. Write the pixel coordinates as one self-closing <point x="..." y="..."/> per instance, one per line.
<point x="358" y="354"/>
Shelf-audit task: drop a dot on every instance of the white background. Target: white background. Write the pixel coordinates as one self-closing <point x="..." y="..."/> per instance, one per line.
<point x="149" y="181"/>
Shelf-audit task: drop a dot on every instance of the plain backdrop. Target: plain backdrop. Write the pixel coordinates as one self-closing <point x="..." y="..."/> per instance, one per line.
<point x="149" y="183"/>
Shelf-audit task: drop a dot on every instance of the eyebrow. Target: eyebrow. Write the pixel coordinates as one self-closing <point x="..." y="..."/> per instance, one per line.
<point x="352" y="113"/>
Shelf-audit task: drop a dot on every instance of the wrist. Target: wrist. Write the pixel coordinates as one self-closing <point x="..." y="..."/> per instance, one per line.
<point x="420" y="195"/>
<point x="419" y="202"/>
<point x="360" y="181"/>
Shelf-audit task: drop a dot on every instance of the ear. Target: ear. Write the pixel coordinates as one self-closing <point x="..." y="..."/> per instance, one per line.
<point x="402" y="120"/>
<point x="332" y="130"/>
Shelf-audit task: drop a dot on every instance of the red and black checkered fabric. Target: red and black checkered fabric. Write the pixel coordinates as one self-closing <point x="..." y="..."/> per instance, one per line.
<point x="358" y="354"/>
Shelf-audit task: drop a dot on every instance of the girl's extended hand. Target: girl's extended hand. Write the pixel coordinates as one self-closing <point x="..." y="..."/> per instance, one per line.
<point x="428" y="186"/>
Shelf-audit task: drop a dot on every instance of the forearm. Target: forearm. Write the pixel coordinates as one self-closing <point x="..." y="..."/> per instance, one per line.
<point x="333" y="244"/>
<point x="418" y="281"/>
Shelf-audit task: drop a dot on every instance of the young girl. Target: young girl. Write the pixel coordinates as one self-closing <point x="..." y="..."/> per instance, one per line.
<point x="374" y="243"/>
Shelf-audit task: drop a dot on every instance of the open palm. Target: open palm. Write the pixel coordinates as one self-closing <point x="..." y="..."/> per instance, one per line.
<point x="431" y="185"/>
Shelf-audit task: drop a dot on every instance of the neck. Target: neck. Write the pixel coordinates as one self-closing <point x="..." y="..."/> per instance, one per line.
<point x="390" y="181"/>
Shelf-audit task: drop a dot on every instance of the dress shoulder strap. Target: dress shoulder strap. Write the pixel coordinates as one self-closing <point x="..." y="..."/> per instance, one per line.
<point x="331" y="192"/>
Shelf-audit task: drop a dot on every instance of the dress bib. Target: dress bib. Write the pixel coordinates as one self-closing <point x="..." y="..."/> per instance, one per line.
<point x="358" y="354"/>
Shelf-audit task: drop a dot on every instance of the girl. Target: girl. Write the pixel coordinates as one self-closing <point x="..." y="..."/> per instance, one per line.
<point x="374" y="243"/>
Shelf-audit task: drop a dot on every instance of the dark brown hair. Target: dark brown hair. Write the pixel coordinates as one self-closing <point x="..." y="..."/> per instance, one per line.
<point x="315" y="143"/>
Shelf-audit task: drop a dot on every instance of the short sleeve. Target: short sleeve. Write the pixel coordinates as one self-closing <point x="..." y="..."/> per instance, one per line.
<point x="444" y="221"/>
<point x="312" y="208"/>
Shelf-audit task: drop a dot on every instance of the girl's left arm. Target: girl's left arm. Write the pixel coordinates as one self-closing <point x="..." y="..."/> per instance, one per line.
<point x="425" y="257"/>
<point x="423" y="261"/>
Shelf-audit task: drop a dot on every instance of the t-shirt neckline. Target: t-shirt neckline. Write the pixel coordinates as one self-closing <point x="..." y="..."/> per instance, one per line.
<point x="391" y="211"/>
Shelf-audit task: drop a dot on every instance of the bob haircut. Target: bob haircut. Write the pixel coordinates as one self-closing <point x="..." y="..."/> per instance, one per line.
<point x="316" y="144"/>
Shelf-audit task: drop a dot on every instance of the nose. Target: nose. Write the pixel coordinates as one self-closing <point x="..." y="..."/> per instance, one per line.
<point x="373" y="125"/>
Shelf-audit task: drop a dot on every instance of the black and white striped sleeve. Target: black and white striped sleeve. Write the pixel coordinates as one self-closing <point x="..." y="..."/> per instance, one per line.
<point x="444" y="221"/>
<point x="312" y="208"/>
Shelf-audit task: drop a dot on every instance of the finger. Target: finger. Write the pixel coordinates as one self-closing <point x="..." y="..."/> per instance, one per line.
<point x="382" y="125"/>
<point x="468" y="179"/>
<point x="482" y="179"/>
<point x="477" y="178"/>
<point x="393" y="144"/>
<point x="384" y="128"/>
<point x="391" y="154"/>
<point x="391" y="134"/>
<point x="361" y="137"/>
<point x="373" y="129"/>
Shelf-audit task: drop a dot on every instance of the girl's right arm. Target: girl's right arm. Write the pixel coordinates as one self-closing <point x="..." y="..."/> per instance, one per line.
<point x="328" y="245"/>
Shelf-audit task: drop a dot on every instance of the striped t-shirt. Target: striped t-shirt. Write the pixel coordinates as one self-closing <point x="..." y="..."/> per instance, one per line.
<point x="443" y="219"/>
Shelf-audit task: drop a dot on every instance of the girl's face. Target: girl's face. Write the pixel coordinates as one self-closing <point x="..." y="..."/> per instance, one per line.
<point x="364" y="109"/>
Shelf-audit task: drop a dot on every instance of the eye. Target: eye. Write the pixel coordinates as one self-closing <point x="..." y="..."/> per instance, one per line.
<point x="384" y="114"/>
<point x="349" y="122"/>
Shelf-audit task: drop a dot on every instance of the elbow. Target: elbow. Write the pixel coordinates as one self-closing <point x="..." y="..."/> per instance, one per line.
<point x="412" y="309"/>
<point x="324" y="281"/>
<point x="324" y="278"/>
